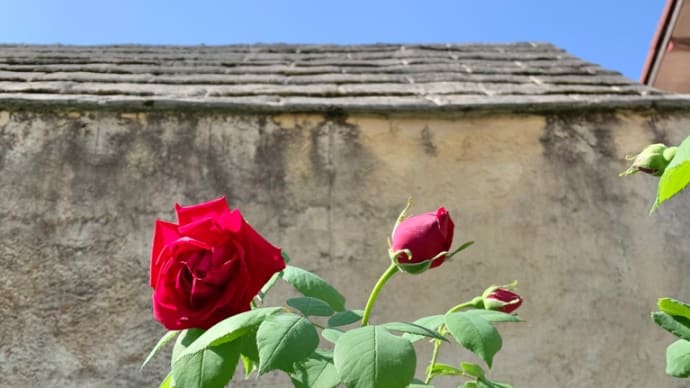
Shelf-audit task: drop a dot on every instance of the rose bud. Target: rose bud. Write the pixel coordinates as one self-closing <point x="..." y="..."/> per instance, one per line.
<point x="208" y="266"/>
<point x="501" y="298"/>
<point x="652" y="160"/>
<point x="422" y="241"/>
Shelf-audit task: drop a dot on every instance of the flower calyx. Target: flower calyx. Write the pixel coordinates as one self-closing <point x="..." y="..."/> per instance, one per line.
<point x="653" y="160"/>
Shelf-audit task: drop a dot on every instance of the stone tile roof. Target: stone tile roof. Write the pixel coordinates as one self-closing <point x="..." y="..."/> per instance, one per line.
<point x="278" y="77"/>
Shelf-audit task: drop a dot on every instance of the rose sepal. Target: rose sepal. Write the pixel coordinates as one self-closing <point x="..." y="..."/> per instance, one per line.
<point x="413" y="268"/>
<point x="512" y="286"/>
<point x="460" y="249"/>
<point x="401" y="217"/>
<point x="395" y="255"/>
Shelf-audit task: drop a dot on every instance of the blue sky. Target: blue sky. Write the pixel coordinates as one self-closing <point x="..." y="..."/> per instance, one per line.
<point x="612" y="33"/>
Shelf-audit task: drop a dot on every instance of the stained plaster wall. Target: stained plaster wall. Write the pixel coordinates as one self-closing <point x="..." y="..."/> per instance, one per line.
<point x="539" y="194"/>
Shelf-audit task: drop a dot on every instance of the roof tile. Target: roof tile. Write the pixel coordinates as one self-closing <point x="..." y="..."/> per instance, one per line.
<point x="310" y="77"/>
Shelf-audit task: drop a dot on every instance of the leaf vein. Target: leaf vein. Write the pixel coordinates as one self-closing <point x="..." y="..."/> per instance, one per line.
<point x="282" y="339"/>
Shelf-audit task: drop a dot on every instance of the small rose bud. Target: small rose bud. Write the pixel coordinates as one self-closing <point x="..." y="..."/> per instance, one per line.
<point x="421" y="242"/>
<point x="501" y="298"/>
<point x="652" y="160"/>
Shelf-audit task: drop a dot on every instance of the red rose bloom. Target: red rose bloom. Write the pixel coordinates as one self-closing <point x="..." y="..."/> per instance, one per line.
<point x="425" y="235"/>
<point x="208" y="266"/>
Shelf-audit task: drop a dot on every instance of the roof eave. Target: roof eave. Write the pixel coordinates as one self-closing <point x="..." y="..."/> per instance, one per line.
<point x="660" y="41"/>
<point x="510" y="104"/>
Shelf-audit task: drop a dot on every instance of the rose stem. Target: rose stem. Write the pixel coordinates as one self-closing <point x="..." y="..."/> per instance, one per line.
<point x="474" y="303"/>
<point x="375" y="292"/>
<point x="434" y="355"/>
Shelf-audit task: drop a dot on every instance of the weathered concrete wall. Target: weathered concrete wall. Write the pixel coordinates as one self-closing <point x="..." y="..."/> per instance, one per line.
<point x="539" y="194"/>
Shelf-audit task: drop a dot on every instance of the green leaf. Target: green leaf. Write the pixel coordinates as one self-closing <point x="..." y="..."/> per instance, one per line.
<point x="211" y="357"/>
<point x="184" y="340"/>
<point x="161" y="342"/>
<point x="331" y="334"/>
<point x="372" y="357"/>
<point x="249" y="365"/>
<point x="230" y="329"/>
<point x="676" y="176"/>
<point x="493" y="316"/>
<point x="413" y="328"/>
<point x="346" y="317"/>
<point x="472" y="369"/>
<point x="475" y="333"/>
<point x="678" y="359"/>
<point x="248" y="346"/>
<point x="484" y="383"/>
<point x="675" y="325"/>
<point x="316" y="371"/>
<point x="167" y="382"/>
<point x="311" y="306"/>
<point x="284" y="339"/>
<point x="249" y="353"/>
<point x="441" y="369"/>
<point x="470" y="384"/>
<point x="674" y="307"/>
<point x="210" y="368"/>
<point x="310" y="284"/>
<point x="432" y="322"/>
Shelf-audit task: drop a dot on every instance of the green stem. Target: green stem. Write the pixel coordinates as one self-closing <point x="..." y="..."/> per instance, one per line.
<point x="375" y="292"/>
<point x="474" y="303"/>
<point x="434" y="356"/>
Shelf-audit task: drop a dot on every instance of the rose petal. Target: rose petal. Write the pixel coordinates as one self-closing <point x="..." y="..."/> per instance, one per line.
<point x="169" y="311"/>
<point x="447" y="228"/>
<point x="232" y="221"/>
<point x="169" y="304"/>
<point x="186" y="245"/>
<point x="164" y="233"/>
<point x="445" y="224"/>
<point x="261" y="258"/>
<point x="211" y="209"/>
<point x="206" y="230"/>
